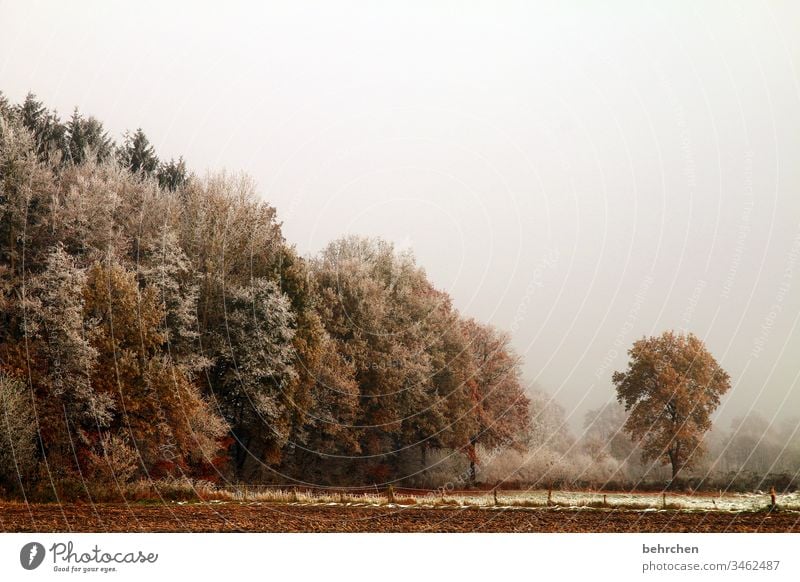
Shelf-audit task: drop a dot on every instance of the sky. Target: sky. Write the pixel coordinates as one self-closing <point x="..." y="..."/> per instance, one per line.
<point x="577" y="176"/>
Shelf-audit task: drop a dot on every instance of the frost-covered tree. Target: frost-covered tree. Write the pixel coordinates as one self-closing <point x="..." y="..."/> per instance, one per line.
<point x="87" y="211"/>
<point x="26" y="190"/>
<point x="49" y="134"/>
<point x="61" y="361"/>
<point x="54" y="308"/>
<point x="448" y="421"/>
<point x="323" y="393"/>
<point x="407" y="349"/>
<point x="17" y="434"/>
<point x="754" y="444"/>
<point x="229" y="234"/>
<point x="159" y="407"/>
<point x="499" y="403"/>
<point x="371" y="303"/>
<point x="158" y="316"/>
<point x="604" y="433"/>
<point x="670" y="388"/>
<point x="547" y="428"/>
<point x="137" y="154"/>
<point x="6" y="109"/>
<point x="87" y="138"/>
<point x="164" y="266"/>
<point x="172" y="175"/>
<point x="252" y="369"/>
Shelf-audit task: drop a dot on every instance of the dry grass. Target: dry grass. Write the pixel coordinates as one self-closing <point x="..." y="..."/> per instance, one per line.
<point x="189" y="491"/>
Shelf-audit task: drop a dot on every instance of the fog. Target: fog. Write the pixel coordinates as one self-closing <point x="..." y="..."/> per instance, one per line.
<point x="578" y="178"/>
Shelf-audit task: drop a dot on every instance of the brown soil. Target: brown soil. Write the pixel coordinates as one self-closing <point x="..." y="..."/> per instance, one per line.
<point x="242" y="517"/>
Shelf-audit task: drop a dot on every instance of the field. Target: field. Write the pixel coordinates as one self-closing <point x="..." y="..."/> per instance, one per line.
<point x="405" y="512"/>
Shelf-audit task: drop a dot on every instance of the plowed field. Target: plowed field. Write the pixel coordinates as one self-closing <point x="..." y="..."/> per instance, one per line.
<point x="269" y="517"/>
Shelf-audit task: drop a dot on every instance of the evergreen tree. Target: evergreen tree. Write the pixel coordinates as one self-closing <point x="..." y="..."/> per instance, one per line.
<point x="137" y="155"/>
<point x="32" y="113"/>
<point x="172" y="175"/>
<point x="6" y="110"/>
<point x="49" y="134"/>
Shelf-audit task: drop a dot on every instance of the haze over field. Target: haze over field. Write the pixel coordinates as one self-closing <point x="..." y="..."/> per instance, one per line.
<point x="581" y="179"/>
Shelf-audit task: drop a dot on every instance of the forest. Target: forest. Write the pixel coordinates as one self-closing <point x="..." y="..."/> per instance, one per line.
<point x="156" y="326"/>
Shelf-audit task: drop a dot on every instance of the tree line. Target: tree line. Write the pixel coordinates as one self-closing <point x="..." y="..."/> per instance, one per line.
<point x="156" y="324"/>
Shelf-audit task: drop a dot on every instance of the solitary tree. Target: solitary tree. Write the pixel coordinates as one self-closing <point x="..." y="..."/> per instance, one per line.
<point x="670" y="388"/>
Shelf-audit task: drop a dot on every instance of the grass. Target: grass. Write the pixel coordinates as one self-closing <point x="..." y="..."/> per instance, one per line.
<point x="184" y="490"/>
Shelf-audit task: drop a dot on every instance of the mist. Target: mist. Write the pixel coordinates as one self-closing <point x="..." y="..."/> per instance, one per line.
<point x="580" y="179"/>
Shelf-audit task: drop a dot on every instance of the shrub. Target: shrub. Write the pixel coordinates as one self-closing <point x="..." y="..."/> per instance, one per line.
<point x="112" y="467"/>
<point x="17" y="434"/>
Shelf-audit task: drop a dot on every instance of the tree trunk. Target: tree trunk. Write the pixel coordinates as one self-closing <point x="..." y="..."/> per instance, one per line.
<point x="241" y="446"/>
<point x="472" y="454"/>
<point x="675" y="464"/>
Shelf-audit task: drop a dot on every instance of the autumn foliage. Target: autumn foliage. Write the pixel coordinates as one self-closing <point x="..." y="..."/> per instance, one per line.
<point x="154" y="324"/>
<point x="670" y="389"/>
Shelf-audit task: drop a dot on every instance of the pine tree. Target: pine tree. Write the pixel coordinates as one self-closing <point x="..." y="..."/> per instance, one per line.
<point x="172" y="175"/>
<point x="137" y="155"/>
<point x="6" y="110"/>
<point x="32" y="113"/>
<point x="49" y="134"/>
<point x="88" y="137"/>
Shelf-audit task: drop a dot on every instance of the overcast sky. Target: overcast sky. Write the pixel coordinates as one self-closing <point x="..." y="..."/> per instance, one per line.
<point x="580" y="177"/>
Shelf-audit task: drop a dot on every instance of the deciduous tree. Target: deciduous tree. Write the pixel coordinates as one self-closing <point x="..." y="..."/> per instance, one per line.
<point x="17" y="434"/>
<point x="670" y="388"/>
<point x="499" y="403"/>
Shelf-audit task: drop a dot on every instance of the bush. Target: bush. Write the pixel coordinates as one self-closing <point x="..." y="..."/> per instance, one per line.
<point x="112" y="468"/>
<point x="17" y="434"/>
